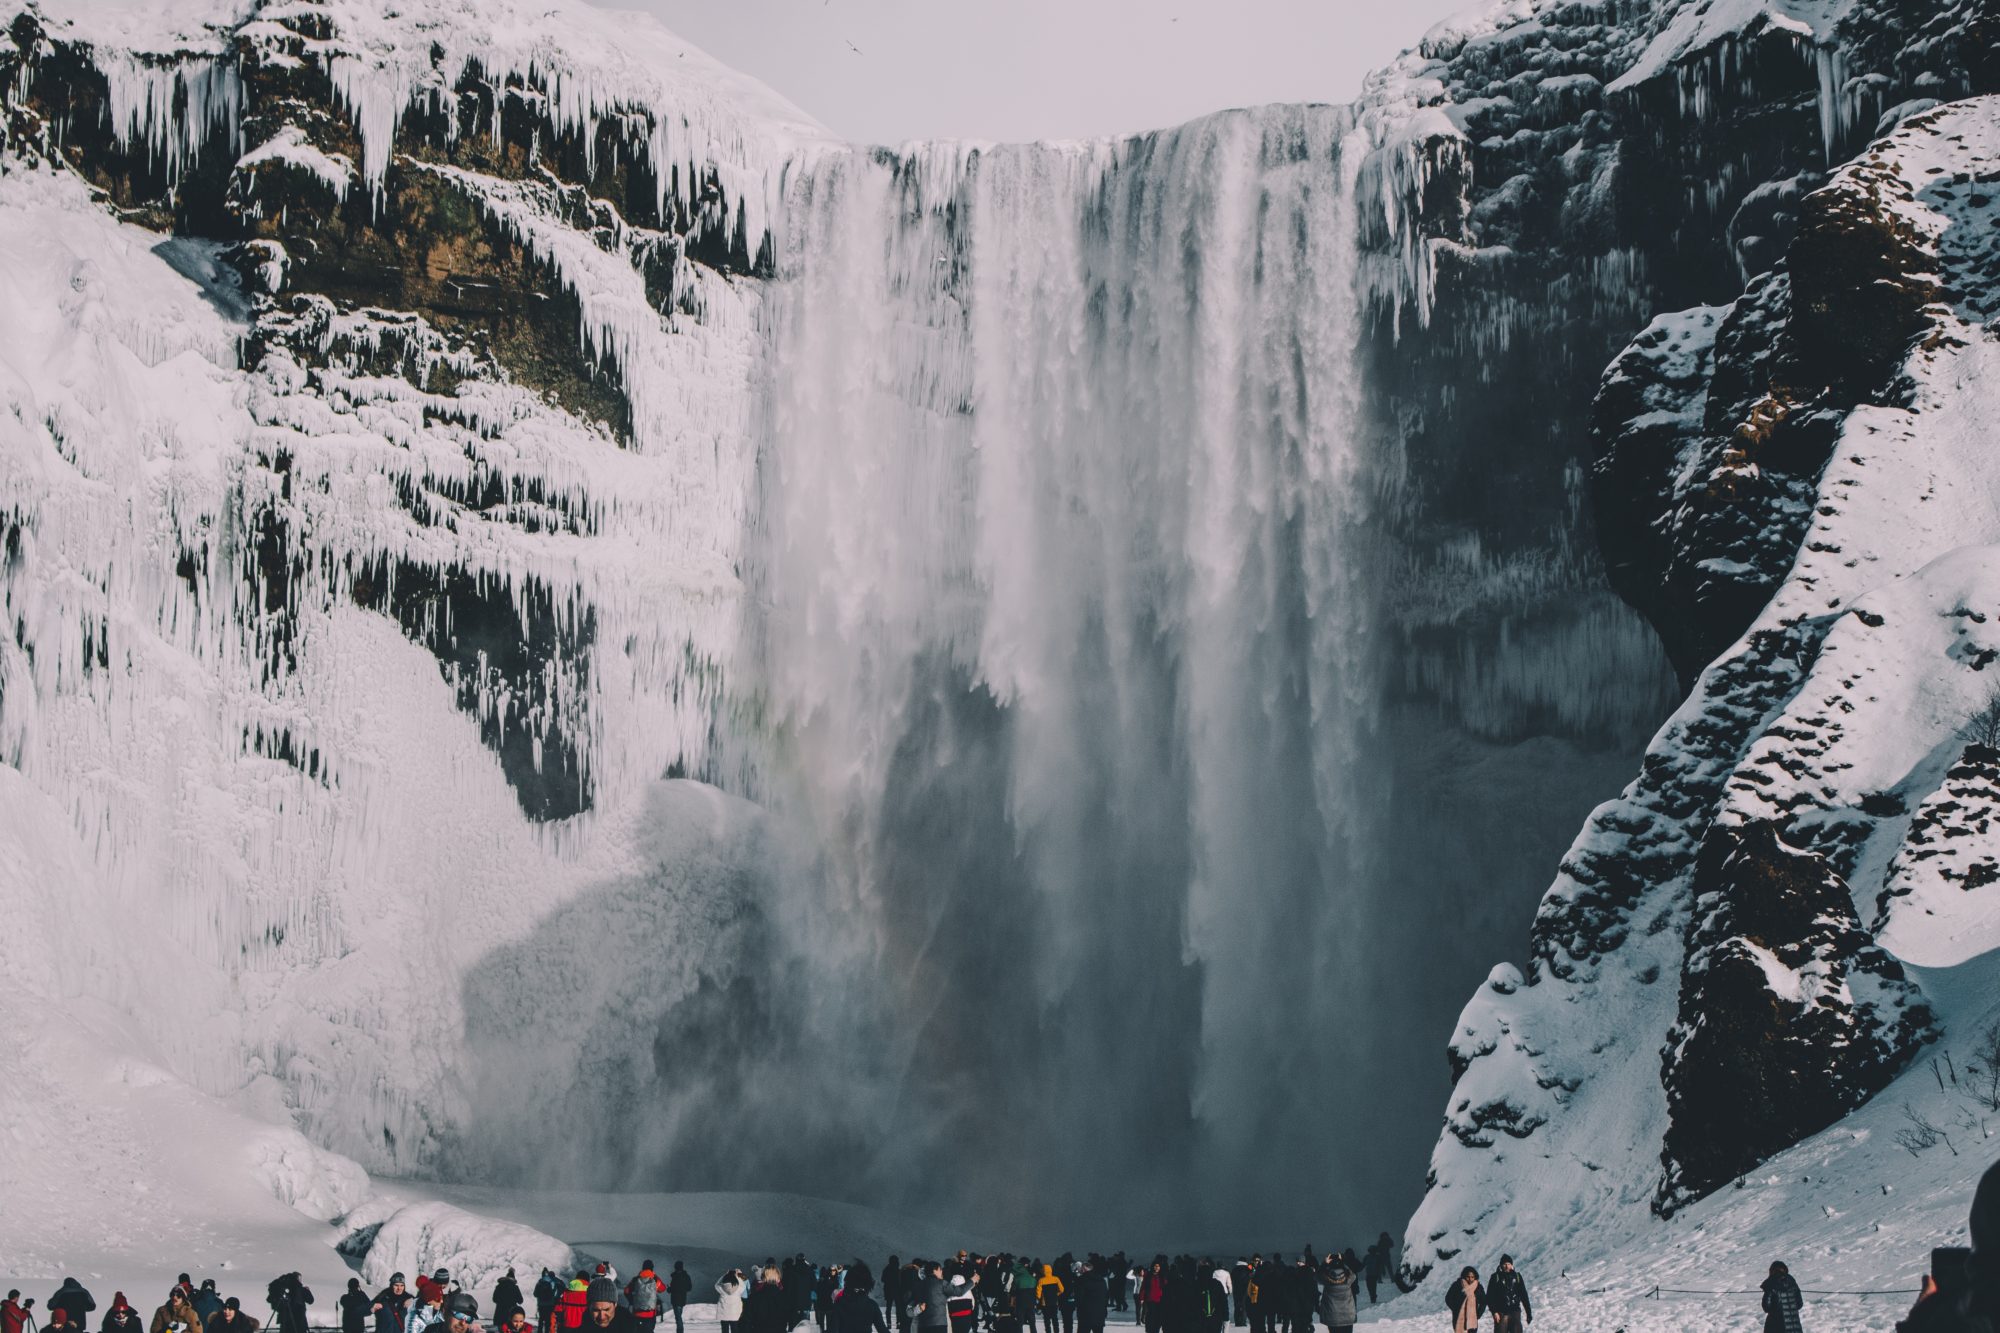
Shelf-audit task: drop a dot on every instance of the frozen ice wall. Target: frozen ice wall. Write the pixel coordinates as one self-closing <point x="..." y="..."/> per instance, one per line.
<point x="1093" y="832"/>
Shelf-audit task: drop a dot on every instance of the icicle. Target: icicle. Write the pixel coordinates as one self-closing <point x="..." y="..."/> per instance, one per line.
<point x="376" y="96"/>
<point x="172" y="108"/>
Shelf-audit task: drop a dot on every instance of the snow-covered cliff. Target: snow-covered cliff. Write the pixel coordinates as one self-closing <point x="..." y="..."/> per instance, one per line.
<point x="1719" y="969"/>
<point x="583" y="632"/>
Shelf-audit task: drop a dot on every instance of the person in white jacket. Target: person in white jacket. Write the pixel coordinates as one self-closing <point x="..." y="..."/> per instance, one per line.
<point x="729" y="1299"/>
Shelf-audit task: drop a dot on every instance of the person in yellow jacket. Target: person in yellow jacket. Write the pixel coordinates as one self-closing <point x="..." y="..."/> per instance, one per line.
<point x="1048" y="1294"/>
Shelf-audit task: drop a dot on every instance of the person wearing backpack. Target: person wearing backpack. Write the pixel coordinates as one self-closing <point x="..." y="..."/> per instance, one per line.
<point x="547" y="1288"/>
<point x="1507" y="1297"/>
<point x="642" y="1294"/>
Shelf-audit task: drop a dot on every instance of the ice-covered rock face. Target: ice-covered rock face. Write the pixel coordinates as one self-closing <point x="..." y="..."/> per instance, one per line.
<point x="1153" y="584"/>
<point x="1801" y="463"/>
<point x="1021" y="523"/>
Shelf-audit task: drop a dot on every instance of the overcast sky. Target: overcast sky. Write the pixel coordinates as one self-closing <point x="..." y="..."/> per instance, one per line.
<point x="1041" y="69"/>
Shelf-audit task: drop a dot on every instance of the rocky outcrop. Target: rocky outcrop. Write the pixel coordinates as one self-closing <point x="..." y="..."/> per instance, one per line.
<point x="1791" y="1016"/>
<point x="1767" y="459"/>
<point x="383" y="213"/>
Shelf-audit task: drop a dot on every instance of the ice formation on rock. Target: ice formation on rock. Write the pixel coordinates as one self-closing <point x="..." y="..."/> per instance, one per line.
<point x="967" y="645"/>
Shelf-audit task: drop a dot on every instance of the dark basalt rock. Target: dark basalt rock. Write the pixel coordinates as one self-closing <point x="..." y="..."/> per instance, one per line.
<point x="1790" y="1015"/>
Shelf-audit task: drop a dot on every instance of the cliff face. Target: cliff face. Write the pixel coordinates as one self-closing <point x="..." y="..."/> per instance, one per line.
<point x="1253" y="572"/>
<point x="1711" y="978"/>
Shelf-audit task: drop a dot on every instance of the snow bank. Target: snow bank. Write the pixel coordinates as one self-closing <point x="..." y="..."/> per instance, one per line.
<point x="423" y="1237"/>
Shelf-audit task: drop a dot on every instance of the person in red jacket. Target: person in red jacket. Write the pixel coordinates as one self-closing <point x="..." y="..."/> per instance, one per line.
<point x="13" y="1314"/>
<point x="572" y="1304"/>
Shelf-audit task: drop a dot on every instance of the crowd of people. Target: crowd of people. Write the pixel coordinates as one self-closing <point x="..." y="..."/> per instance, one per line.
<point x="966" y="1293"/>
<point x="982" y="1293"/>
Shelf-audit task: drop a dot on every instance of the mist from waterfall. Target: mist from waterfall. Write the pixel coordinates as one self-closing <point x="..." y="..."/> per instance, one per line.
<point x="1065" y="625"/>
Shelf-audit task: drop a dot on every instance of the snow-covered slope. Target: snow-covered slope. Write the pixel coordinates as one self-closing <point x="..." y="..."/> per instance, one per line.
<point x="1772" y="826"/>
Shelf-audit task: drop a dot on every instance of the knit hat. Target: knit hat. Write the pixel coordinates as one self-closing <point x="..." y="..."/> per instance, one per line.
<point x="602" y="1289"/>
<point x="394" y="1278"/>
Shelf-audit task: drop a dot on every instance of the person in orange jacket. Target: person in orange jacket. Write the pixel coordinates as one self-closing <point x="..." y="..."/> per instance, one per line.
<point x="642" y="1294"/>
<point x="572" y="1304"/>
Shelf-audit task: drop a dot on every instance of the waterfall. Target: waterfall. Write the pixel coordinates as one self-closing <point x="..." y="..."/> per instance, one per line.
<point x="1064" y="616"/>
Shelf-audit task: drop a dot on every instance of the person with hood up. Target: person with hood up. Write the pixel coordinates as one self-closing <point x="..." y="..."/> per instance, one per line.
<point x="1048" y="1295"/>
<point x="231" y="1319"/>
<point x="506" y="1298"/>
<point x="1782" y="1301"/>
<point x="288" y="1297"/>
<point x="1507" y="1297"/>
<point x="355" y="1306"/>
<point x="679" y="1287"/>
<point x="74" y="1302"/>
<point x="729" y="1299"/>
<point x="1339" y="1295"/>
<point x="1466" y="1299"/>
<point x="391" y="1306"/>
<point x="121" y="1317"/>
<point x="856" y="1310"/>
<point x="207" y="1302"/>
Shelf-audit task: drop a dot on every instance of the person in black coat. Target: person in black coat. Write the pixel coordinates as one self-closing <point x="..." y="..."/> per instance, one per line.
<point x="289" y="1296"/>
<point x="231" y="1319"/>
<point x="1466" y="1299"/>
<point x="766" y="1310"/>
<point x="1782" y="1301"/>
<point x="506" y="1297"/>
<point x="1507" y="1297"/>
<point x="391" y="1306"/>
<point x="856" y="1310"/>
<point x="1093" y="1299"/>
<point x="679" y="1284"/>
<point x="355" y="1307"/>
<point x="73" y="1301"/>
<point x="121" y="1317"/>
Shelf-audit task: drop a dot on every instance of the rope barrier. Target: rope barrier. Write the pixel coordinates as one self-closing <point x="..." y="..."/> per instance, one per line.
<point x="1657" y="1292"/>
